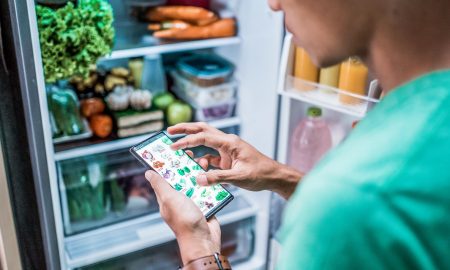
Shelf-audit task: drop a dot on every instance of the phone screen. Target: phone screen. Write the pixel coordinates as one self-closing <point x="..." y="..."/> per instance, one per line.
<point x="181" y="171"/>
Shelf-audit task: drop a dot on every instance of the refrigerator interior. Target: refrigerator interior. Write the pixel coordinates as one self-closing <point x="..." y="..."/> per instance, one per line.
<point x="121" y="216"/>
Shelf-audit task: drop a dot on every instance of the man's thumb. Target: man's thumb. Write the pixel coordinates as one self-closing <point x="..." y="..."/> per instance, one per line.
<point x="158" y="183"/>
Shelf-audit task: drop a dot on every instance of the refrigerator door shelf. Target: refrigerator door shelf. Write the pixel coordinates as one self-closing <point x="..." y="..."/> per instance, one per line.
<point x="327" y="97"/>
<point x="88" y="147"/>
<point x="319" y="94"/>
<point x="237" y="244"/>
<point x="133" y="235"/>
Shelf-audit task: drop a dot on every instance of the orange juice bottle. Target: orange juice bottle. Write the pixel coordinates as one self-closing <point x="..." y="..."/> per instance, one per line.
<point x="352" y="79"/>
<point x="304" y="68"/>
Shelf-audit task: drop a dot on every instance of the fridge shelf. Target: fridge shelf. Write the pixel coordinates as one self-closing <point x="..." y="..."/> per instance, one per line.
<point x="95" y="146"/>
<point x="329" y="97"/>
<point x="146" y="45"/>
<point x="127" y="237"/>
<point x="238" y="241"/>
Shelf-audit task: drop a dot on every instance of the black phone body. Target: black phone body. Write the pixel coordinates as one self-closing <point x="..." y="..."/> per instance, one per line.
<point x="180" y="171"/>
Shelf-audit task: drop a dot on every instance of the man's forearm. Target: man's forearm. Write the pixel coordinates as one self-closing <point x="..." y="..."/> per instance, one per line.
<point x="284" y="180"/>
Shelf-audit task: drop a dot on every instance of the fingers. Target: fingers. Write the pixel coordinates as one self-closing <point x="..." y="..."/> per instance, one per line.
<point x="208" y="139"/>
<point x="211" y="160"/>
<point x="203" y="163"/>
<point x="190" y="153"/>
<point x="189" y="128"/>
<point x="215" y="177"/>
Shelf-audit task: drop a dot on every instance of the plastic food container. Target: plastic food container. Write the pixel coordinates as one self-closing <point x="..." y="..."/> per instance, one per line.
<point x="205" y="69"/>
<point x="215" y="112"/>
<point x="203" y="96"/>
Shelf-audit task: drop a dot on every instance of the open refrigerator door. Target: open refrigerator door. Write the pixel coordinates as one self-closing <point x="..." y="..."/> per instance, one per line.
<point x="97" y="210"/>
<point x="340" y="109"/>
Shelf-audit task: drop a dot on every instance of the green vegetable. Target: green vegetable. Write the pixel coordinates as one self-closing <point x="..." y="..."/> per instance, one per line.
<point x="178" y="187"/>
<point x="73" y="37"/>
<point x="163" y="100"/>
<point x="190" y="192"/>
<point x="118" y="200"/>
<point x="63" y="104"/>
<point x="196" y="168"/>
<point x="180" y="172"/>
<point x="186" y="169"/>
<point x="221" y="195"/>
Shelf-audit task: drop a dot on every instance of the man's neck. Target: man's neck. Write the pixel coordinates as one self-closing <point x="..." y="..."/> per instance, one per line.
<point x="410" y="42"/>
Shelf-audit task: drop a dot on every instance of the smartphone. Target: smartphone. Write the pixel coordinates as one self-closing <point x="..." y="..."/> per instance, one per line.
<point x="181" y="171"/>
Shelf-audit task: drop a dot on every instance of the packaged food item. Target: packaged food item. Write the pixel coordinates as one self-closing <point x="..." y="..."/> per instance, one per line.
<point x="215" y="112"/>
<point x="203" y="96"/>
<point x="304" y="67"/>
<point x="330" y="76"/>
<point x="310" y="141"/>
<point x="205" y="69"/>
<point x="130" y="118"/>
<point x="352" y="79"/>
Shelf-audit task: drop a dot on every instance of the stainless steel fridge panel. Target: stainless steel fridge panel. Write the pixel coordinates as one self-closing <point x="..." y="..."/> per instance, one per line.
<point x="31" y="80"/>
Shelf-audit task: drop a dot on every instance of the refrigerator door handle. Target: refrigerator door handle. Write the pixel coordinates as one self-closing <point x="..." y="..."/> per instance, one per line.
<point x="2" y="54"/>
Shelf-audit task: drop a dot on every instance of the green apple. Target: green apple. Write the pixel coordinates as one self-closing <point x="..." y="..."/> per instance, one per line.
<point x="178" y="112"/>
<point x="163" y="100"/>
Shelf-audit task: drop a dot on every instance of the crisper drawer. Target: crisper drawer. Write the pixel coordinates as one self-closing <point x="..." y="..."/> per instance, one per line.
<point x="103" y="189"/>
<point x="237" y="243"/>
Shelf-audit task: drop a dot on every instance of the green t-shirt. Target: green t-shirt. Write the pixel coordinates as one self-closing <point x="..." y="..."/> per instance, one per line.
<point x="380" y="200"/>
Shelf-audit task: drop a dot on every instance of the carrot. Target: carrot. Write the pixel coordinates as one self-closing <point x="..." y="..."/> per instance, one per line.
<point x="177" y="24"/>
<point x="221" y="28"/>
<point x="193" y="15"/>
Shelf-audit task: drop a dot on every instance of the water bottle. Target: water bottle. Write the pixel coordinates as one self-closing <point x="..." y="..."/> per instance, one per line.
<point x="310" y="141"/>
<point x="153" y="75"/>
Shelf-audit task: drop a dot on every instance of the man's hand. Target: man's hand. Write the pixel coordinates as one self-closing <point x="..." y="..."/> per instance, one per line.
<point x="196" y="237"/>
<point x="240" y="163"/>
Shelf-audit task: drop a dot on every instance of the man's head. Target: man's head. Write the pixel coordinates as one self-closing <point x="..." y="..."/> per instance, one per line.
<point x="330" y="30"/>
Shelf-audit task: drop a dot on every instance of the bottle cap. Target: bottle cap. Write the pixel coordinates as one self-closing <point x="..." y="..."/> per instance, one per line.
<point x="314" y="112"/>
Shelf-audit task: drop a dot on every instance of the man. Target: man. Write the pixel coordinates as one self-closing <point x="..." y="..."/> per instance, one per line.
<point x="380" y="200"/>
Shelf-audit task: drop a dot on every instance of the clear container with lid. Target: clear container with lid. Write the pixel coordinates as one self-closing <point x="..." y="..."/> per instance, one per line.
<point x="205" y="69"/>
<point x="203" y="96"/>
<point x="215" y="112"/>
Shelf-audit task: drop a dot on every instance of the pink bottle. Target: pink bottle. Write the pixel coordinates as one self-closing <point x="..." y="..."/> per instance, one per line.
<point x="310" y="141"/>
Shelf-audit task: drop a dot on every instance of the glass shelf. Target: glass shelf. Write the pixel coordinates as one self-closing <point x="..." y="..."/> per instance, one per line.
<point x="329" y="97"/>
<point x="94" y="146"/>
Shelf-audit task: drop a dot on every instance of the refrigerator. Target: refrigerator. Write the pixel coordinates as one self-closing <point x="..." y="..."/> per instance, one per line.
<point x="122" y="237"/>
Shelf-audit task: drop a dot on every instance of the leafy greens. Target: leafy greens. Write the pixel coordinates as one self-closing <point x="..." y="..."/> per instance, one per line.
<point x="73" y="37"/>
